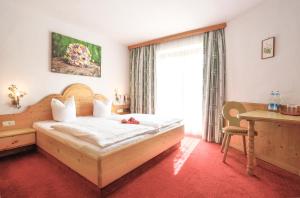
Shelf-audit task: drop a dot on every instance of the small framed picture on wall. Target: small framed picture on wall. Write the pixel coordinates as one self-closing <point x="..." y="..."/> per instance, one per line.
<point x="268" y="48"/>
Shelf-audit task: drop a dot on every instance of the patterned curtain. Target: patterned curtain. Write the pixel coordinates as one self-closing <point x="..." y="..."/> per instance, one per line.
<point x="213" y="85"/>
<point x="142" y="79"/>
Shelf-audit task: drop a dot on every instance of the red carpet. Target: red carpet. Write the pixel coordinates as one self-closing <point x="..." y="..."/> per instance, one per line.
<point x="194" y="170"/>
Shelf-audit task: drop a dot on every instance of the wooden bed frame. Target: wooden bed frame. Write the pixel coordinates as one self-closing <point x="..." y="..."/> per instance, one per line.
<point x="99" y="169"/>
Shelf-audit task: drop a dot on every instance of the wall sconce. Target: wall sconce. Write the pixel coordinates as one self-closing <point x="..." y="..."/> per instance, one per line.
<point x="15" y="95"/>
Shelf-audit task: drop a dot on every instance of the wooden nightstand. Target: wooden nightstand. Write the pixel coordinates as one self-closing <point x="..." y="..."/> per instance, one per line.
<point x="122" y="109"/>
<point x="13" y="139"/>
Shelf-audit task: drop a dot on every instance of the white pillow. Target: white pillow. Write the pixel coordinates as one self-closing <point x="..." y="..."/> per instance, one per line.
<point x="102" y="108"/>
<point x="63" y="112"/>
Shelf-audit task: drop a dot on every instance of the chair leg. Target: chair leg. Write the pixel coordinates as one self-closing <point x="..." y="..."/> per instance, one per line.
<point x="223" y="142"/>
<point x="244" y="144"/>
<point x="226" y="147"/>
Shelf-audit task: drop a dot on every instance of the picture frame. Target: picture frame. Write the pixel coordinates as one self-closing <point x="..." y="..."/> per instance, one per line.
<point x="268" y="48"/>
<point x="74" y="56"/>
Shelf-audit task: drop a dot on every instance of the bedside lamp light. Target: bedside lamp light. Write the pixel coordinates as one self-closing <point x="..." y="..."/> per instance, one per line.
<point x="15" y="95"/>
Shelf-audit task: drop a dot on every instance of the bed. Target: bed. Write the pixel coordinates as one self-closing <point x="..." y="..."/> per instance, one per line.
<point x="99" y="165"/>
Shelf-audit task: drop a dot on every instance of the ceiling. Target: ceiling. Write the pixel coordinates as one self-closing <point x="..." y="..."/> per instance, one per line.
<point x="132" y="21"/>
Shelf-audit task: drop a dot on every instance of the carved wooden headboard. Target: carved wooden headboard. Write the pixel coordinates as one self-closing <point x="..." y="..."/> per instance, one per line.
<point x="42" y="110"/>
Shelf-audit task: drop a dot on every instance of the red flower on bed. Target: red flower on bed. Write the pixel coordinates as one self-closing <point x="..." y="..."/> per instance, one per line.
<point x="130" y="121"/>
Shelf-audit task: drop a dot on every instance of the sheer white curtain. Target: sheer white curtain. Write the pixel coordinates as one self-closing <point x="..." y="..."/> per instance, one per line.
<point x="179" y="66"/>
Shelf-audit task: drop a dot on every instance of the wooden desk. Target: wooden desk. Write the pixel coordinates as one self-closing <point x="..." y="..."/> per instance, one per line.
<point x="265" y="116"/>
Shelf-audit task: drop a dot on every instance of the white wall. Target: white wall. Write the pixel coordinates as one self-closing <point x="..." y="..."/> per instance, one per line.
<point x="251" y="79"/>
<point x="25" y="57"/>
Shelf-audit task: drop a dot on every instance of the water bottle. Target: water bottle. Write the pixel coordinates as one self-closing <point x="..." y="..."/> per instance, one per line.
<point x="271" y="105"/>
<point x="277" y="101"/>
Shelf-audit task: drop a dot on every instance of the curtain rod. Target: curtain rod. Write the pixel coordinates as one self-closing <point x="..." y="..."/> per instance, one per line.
<point x="179" y="35"/>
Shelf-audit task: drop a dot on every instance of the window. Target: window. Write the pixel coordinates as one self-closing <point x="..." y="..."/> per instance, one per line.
<point x="179" y="67"/>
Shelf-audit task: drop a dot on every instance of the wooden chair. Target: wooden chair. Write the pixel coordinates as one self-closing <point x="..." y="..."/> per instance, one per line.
<point x="233" y="127"/>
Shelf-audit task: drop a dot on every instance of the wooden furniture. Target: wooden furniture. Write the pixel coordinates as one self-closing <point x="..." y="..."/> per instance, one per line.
<point x="16" y="138"/>
<point x="100" y="169"/>
<point x="105" y="168"/>
<point x="252" y="117"/>
<point x="42" y="110"/>
<point x="122" y="109"/>
<point x="233" y="127"/>
<point x="276" y="143"/>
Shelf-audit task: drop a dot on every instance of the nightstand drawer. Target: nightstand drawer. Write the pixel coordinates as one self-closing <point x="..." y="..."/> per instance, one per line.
<point x="11" y="142"/>
<point x="121" y="109"/>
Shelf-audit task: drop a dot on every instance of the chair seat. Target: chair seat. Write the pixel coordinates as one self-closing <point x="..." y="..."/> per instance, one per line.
<point x="236" y="130"/>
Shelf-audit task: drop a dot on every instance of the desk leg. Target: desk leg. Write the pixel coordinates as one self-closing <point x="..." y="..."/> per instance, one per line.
<point x="251" y="154"/>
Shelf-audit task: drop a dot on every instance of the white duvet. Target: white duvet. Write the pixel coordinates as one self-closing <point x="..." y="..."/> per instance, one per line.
<point x="148" y="119"/>
<point x="100" y="131"/>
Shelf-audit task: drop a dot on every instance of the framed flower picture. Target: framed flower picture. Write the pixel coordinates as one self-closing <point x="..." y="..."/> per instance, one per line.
<point x="73" y="56"/>
<point x="268" y="48"/>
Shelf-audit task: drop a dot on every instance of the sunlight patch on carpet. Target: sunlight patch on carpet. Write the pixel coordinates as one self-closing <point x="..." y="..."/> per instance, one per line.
<point x="188" y="144"/>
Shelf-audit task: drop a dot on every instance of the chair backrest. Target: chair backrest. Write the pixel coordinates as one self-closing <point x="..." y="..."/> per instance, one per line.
<point x="233" y="120"/>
